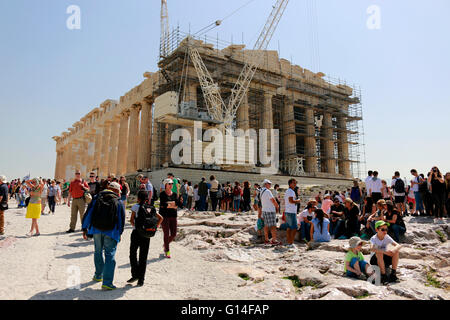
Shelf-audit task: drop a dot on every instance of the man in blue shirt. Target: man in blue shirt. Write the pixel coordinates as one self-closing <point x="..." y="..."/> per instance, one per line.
<point x="105" y="240"/>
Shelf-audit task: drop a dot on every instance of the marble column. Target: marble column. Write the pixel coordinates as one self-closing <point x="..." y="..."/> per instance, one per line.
<point x="343" y="148"/>
<point x="113" y="145"/>
<point x="242" y="115"/>
<point x="267" y="119"/>
<point x="91" y="152"/>
<point x="145" y="142"/>
<point x="329" y="161"/>
<point x="310" y="142"/>
<point x="58" y="164"/>
<point x="84" y="145"/>
<point x="133" y="139"/>
<point x="97" y="151"/>
<point x="104" y="168"/>
<point x="290" y="138"/>
<point x="123" y="143"/>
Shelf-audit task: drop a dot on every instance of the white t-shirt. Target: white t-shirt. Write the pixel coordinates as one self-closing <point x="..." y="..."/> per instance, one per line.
<point x="190" y="191"/>
<point x="267" y="205"/>
<point x="376" y="185"/>
<point x="305" y="213"/>
<point x="393" y="188"/>
<point x="290" y="207"/>
<point x="381" y="244"/>
<point x="415" y="187"/>
<point x="44" y="191"/>
<point x="368" y="182"/>
<point x="135" y="209"/>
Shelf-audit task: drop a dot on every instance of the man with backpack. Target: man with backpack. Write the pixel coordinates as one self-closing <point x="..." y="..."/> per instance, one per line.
<point x="105" y="221"/>
<point x="145" y="221"/>
<point x="398" y="185"/>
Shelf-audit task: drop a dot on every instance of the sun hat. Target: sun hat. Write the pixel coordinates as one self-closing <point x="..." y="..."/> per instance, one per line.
<point x="379" y="224"/>
<point x="381" y="202"/>
<point x="354" y="242"/>
<point x="114" y="186"/>
<point x="3" y="179"/>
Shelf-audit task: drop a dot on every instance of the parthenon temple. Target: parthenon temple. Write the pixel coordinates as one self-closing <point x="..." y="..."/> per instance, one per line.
<point x="319" y="119"/>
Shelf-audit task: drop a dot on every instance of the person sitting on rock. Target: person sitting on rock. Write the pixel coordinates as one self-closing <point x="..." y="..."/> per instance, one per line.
<point x="320" y="227"/>
<point x="355" y="265"/>
<point x="305" y="222"/>
<point x="394" y="218"/>
<point x="382" y="256"/>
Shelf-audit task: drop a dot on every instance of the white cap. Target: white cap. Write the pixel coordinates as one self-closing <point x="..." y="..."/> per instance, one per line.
<point x="3" y="179"/>
<point x="267" y="181"/>
<point x="114" y="185"/>
<point x="167" y="181"/>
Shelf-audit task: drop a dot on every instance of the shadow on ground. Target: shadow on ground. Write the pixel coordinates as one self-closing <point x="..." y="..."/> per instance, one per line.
<point x="86" y="292"/>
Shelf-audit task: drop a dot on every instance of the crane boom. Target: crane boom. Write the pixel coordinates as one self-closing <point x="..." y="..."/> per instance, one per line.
<point x="242" y="85"/>
<point x="164" y="45"/>
<point x="211" y="91"/>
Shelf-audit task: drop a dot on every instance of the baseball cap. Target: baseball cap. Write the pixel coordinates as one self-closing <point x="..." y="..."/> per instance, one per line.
<point x="354" y="242"/>
<point x="114" y="185"/>
<point x="267" y="181"/>
<point x="380" y="224"/>
<point x="167" y="181"/>
<point x="381" y="202"/>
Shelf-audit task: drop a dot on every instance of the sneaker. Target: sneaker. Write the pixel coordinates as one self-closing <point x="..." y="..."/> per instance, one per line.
<point x="140" y="283"/>
<point x="384" y="279"/>
<point x="108" y="287"/>
<point x="393" y="277"/>
<point x="132" y="280"/>
<point x="168" y="254"/>
<point x="97" y="279"/>
<point x="70" y="231"/>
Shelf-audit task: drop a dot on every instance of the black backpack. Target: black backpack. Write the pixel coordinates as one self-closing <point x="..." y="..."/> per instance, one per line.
<point x="423" y="187"/>
<point x="146" y="222"/>
<point x="399" y="186"/>
<point x="104" y="215"/>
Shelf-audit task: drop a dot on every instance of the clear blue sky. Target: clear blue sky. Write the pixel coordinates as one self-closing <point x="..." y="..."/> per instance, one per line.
<point x="51" y="76"/>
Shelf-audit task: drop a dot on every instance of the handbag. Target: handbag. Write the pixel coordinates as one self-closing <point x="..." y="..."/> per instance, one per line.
<point x="87" y="197"/>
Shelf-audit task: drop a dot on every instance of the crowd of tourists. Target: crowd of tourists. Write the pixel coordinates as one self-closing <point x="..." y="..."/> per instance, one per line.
<point x="370" y="210"/>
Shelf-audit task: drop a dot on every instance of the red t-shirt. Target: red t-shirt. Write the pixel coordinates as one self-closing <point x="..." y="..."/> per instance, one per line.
<point x="76" y="189"/>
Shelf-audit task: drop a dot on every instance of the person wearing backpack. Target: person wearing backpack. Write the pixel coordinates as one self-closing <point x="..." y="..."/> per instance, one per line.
<point x="398" y="185"/>
<point x="105" y="220"/>
<point x="145" y="221"/>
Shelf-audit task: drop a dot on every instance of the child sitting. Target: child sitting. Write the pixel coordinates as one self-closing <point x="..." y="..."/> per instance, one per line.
<point x="355" y="265"/>
<point x="382" y="256"/>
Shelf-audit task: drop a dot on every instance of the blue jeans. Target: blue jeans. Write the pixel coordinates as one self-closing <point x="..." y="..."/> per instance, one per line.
<point x="335" y="228"/>
<point x="185" y="199"/>
<point x="419" y="202"/>
<point x="362" y="267"/>
<point x="203" y="203"/>
<point x="304" y="231"/>
<point x="397" y="230"/>
<point x="104" y="268"/>
<point x="236" y="205"/>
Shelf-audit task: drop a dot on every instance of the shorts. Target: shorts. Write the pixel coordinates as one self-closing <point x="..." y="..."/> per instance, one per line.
<point x="123" y="198"/>
<point x="411" y="200"/>
<point x="362" y="267"/>
<point x="291" y="220"/>
<point x="376" y="196"/>
<point x="399" y="199"/>
<point x="270" y="219"/>
<point x="387" y="260"/>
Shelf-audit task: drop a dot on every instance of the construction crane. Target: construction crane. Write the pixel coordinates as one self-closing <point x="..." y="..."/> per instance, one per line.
<point x="215" y="104"/>
<point x="164" y="41"/>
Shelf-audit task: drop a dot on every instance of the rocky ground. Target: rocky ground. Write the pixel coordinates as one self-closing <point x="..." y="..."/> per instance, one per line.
<point x="215" y="256"/>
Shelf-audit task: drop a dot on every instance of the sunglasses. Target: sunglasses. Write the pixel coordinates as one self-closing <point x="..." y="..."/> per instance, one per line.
<point x="78" y="174"/>
<point x="384" y="229"/>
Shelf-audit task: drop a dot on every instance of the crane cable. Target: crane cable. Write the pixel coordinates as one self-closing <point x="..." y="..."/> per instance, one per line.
<point x="217" y="23"/>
